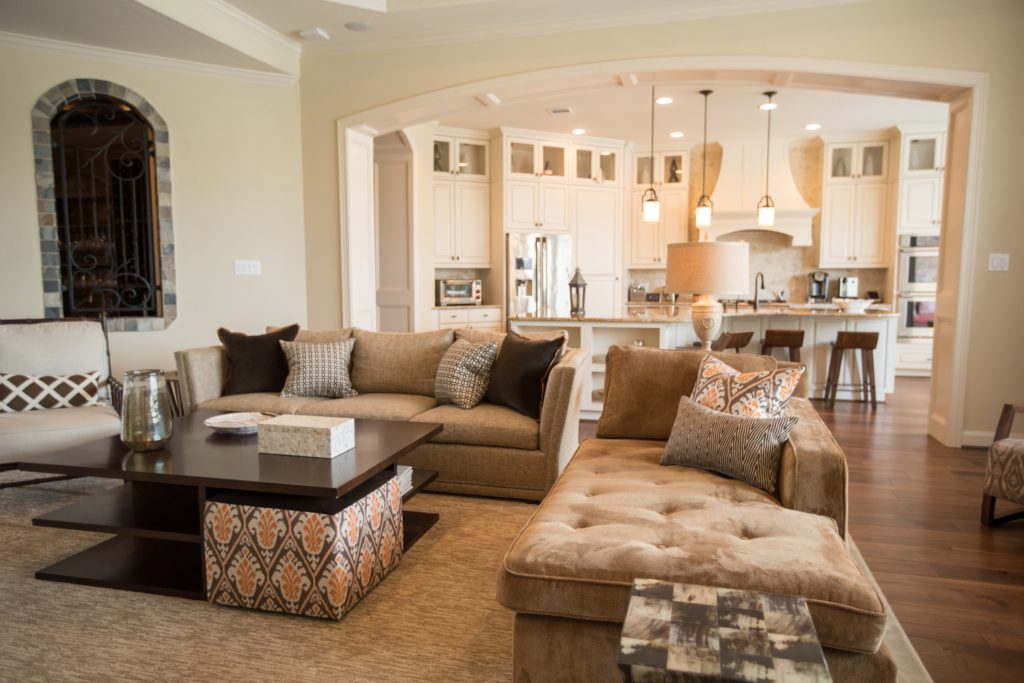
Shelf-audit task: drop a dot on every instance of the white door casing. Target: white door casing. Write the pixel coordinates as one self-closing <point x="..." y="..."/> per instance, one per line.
<point x="359" y="255"/>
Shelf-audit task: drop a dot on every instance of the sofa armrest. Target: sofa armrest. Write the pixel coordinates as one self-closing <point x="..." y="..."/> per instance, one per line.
<point x="202" y="373"/>
<point x="560" y="414"/>
<point x="813" y="475"/>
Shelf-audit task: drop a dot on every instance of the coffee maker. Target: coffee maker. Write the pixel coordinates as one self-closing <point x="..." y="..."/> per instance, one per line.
<point x="849" y="288"/>
<point x="817" y="291"/>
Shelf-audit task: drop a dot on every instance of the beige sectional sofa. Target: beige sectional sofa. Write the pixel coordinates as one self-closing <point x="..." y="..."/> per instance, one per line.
<point x="616" y="514"/>
<point x="489" y="450"/>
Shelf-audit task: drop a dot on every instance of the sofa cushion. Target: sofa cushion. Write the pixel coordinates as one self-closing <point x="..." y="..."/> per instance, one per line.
<point x="483" y="425"/>
<point x="54" y="347"/>
<point x="318" y="336"/>
<point x="40" y="431"/>
<point x="318" y="369"/>
<point x="464" y="373"/>
<point x="642" y="388"/>
<point x="398" y="362"/>
<point x="263" y="402"/>
<point x="476" y="336"/>
<point x="19" y="393"/>
<point x="616" y="515"/>
<point x="397" y="407"/>
<point x="256" y="362"/>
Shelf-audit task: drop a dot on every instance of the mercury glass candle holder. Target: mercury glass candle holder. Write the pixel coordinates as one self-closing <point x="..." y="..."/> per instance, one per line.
<point x="146" y="419"/>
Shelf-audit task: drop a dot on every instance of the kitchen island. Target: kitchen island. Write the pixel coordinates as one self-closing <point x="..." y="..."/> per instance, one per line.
<point x="669" y="327"/>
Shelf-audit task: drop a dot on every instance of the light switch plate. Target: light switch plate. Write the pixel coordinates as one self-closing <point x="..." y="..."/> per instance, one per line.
<point x="247" y="267"/>
<point x="998" y="262"/>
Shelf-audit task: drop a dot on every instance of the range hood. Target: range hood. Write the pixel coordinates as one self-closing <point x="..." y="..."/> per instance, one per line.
<point x="741" y="184"/>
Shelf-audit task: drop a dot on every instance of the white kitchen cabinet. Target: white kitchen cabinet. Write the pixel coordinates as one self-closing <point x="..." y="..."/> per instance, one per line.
<point x="648" y="242"/>
<point x="595" y="165"/>
<point x="531" y="205"/>
<point x="920" y="204"/>
<point x="914" y="357"/>
<point x="462" y="224"/>
<point x="923" y="154"/>
<point x="472" y="317"/>
<point x="847" y="162"/>
<point x="853" y="226"/>
<point x="464" y="158"/>
<point x="541" y="160"/>
<point x="668" y="169"/>
<point x="598" y="235"/>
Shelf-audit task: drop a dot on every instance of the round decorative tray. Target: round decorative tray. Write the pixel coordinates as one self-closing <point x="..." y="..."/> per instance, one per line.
<point x="236" y="423"/>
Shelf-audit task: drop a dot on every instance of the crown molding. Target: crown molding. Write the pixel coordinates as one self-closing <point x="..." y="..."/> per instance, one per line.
<point x="701" y="9"/>
<point x="137" y="59"/>
<point x="254" y="24"/>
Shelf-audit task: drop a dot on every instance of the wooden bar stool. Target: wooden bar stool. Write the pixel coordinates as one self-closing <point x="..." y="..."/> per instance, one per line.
<point x="732" y="340"/>
<point x="866" y="342"/>
<point x="791" y="340"/>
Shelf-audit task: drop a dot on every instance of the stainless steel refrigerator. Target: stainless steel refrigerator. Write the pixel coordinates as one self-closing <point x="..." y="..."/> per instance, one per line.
<point x="538" y="269"/>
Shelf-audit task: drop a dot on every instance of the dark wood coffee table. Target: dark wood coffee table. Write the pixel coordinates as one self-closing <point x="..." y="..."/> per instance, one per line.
<point x="157" y="513"/>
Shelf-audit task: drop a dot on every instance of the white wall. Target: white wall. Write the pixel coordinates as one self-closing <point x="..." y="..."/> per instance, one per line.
<point x="236" y="173"/>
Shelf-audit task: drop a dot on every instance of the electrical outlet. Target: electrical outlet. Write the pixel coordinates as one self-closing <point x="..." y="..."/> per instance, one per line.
<point x="247" y="267"/>
<point x="998" y="262"/>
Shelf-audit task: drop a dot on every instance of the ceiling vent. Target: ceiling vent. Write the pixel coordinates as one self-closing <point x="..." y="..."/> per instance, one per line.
<point x="559" y="111"/>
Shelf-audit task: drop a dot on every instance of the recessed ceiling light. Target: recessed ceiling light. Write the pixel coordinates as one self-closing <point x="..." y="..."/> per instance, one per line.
<point x="676" y="134"/>
<point x="768" y="106"/>
<point x="358" y="26"/>
<point x="664" y="99"/>
<point x="812" y="126"/>
<point x="579" y="131"/>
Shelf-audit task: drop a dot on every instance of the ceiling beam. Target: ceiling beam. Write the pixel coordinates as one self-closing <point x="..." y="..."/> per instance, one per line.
<point x="220" y="21"/>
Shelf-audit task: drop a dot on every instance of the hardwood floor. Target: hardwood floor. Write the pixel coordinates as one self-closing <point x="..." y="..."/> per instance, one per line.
<point x="956" y="586"/>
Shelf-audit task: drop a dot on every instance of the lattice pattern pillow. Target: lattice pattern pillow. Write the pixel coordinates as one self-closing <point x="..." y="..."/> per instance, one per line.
<point x="464" y="373"/>
<point x="752" y="394"/>
<point x="744" y="448"/>
<point x="320" y="370"/>
<point x="21" y="393"/>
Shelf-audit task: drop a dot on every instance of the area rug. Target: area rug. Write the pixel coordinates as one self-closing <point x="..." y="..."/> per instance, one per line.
<point x="435" y="618"/>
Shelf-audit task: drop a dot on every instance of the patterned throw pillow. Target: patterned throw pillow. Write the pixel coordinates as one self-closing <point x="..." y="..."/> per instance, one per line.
<point x="320" y="370"/>
<point x="464" y="373"/>
<point x="21" y="393"/>
<point x="752" y="394"/>
<point x="744" y="448"/>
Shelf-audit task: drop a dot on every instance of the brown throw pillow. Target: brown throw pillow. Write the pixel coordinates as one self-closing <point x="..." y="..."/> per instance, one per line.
<point x="256" y="362"/>
<point x="517" y="379"/>
<point x="744" y="448"/>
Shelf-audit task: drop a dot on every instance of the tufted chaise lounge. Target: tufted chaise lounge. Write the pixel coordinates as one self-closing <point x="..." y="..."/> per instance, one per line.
<point x="616" y="514"/>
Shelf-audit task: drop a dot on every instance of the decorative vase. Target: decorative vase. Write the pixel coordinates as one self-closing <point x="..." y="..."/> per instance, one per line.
<point x="146" y="419"/>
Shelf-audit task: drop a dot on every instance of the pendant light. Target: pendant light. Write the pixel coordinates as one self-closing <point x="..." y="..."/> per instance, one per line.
<point x="766" y="207"/>
<point x="704" y="204"/>
<point x="651" y="207"/>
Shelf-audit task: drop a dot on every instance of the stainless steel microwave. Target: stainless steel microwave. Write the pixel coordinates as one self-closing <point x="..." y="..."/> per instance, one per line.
<point x="459" y="293"/>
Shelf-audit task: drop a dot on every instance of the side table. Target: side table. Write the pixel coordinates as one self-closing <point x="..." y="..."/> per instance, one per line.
<point x="682" y="632"/>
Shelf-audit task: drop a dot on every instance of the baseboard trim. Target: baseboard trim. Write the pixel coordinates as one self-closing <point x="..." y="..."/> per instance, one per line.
<point x="978" y="439"/>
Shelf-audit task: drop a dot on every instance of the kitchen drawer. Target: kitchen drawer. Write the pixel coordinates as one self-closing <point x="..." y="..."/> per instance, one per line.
<point x="484" y="327"/>
<point x="452" y="315"/>
<point x="482" y="315"/>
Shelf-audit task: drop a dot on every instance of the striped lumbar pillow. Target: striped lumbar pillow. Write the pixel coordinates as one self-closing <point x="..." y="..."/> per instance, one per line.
<point x="21" y="393"/>
<point x="744" y="448"/>
<point x="320" y="370"/>
<point x="752" y="394"/>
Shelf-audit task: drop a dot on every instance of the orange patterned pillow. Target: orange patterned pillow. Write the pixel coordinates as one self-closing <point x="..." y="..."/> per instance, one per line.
<point x="752" y="394"/>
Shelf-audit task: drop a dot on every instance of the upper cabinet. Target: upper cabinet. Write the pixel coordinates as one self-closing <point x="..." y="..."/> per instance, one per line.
<point x="922" y="167"/>
<point x="923" y="154"/>
<point x="464" y="158"/>
<point x="664" y="169"/>
<point x="595" y="165"/>
<point x="537" y="159"/>
<point x="853" y="161"/>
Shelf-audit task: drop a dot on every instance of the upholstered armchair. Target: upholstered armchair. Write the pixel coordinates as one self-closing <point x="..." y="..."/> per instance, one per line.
<point x="1004" y="474"/>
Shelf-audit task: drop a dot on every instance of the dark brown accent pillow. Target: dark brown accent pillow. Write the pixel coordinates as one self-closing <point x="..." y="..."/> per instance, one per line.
<point x="522" y="366"/>
<point x="642" y="388"/>
<point x="256" y="362"/>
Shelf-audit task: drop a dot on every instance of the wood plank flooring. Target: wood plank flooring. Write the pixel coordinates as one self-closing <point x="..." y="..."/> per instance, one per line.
<point x="956" y="586"/>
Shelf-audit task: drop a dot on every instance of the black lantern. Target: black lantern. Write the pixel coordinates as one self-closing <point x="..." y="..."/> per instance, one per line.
<point x="577" y="295"/>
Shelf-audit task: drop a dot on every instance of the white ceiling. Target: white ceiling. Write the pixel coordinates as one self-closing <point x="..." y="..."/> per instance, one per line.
<point x="117" y="25"/>
<point x="733" y="114"/>
<point x="424" y="22"/>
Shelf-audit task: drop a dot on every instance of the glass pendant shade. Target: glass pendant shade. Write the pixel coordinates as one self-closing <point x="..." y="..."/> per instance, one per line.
<point x="703" y="214"/>
<point x="651" y="207"/>
<point x="765" y="212"/>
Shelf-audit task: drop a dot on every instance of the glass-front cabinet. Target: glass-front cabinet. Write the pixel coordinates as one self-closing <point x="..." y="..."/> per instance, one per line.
<point x="857" y="161"/>
<point x="665" y="169"/>
<point x="923" y="154"/>
<point x="537" y="160"/>
<point x="596" y="165"/>
<point x="461" y="157"/>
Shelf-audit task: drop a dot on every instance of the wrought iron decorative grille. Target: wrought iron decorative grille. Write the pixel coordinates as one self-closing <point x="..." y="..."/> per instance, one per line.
<point x="104" y="167"/>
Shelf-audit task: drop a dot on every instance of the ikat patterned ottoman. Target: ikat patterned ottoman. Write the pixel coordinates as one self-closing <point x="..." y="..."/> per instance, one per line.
<point x="300" y="561"/>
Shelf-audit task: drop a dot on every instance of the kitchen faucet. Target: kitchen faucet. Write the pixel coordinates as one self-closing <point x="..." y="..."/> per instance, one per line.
<point x="761" y="276"/>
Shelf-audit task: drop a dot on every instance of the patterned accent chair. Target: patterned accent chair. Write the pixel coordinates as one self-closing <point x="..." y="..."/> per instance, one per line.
<point x="1004" y="475"/>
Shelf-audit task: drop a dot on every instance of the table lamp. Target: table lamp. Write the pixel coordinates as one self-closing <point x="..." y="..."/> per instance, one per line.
<point x="708" y="269"/>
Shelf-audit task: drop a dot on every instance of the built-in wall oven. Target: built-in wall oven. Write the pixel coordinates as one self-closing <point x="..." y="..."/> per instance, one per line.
<point x="918" y="280"/>
<point x="917" y="315"/>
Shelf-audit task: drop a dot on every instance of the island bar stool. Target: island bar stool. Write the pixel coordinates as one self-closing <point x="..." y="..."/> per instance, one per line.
<point x="732" y="340"/>
<point x="791" y="340"/>
<point x="866" y="342"/>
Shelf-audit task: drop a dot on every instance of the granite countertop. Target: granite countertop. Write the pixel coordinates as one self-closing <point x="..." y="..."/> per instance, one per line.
<point x="681" y="314"/>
